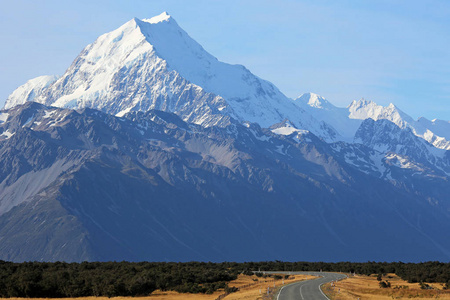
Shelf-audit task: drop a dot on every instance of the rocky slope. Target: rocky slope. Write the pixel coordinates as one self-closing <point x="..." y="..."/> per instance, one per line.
<point x="149" y="186"/>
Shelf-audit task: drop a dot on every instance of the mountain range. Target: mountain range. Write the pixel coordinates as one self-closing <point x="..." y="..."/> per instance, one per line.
<point x="149" y="148"/>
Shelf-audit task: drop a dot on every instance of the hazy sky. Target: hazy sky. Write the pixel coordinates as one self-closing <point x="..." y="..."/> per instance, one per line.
<point x="386" y="51"/>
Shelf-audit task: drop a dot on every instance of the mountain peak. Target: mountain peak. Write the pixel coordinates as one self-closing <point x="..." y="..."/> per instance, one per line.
<point x="364" y="109"/>
<point x="314" y="100"/>
<point x="361" y="103"/>
<point x="29" y="90"/>
<point x="164" y="17"/>
<point x="154" y="64"/>
<point x="392" y="106"/>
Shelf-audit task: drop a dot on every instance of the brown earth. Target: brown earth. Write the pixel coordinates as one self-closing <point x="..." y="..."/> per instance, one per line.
<point x="367" y="288"/>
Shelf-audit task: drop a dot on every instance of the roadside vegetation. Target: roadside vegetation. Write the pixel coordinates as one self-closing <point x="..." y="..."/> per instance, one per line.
<point x="110" y="279"/>
<point x="383" y="287"/>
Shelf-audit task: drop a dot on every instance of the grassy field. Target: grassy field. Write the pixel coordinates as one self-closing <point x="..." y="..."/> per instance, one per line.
<point x="253" y="292"/>
<point x="249" y="289"/>
<point x="367" y="288"/>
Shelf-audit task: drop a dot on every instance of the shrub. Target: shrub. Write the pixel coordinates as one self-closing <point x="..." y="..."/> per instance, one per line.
<point x="230" y="290"/>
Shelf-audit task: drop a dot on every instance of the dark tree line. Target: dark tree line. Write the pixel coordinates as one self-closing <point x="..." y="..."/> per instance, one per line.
<point x="34" y="279"/>
<point x="50" y="280"/>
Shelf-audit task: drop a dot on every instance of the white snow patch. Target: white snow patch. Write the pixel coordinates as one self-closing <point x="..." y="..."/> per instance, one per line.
<point x="3" y="117"/>
<point x="288" y="129"/>
<point x="6" y="134"/>
<point x="49" y="114"/>
<point x="402" y="162"/>
<point x="285" y="130"/>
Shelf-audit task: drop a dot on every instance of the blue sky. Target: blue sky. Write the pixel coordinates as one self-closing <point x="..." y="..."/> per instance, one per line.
<point x="386" y="51"/>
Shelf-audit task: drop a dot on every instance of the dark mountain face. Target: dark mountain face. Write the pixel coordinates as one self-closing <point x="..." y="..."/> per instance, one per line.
<point x="84" y="185"/>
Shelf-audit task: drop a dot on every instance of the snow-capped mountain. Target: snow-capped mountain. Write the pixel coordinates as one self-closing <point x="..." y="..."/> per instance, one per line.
<point x="337" y="117"/>
<point x="347" y="121"/>
<point x="154" y="64"/>
<point x="388" y="138"/>
<point x="437" y="127"/>
<point x="436" y="133"/>
<point x="29" y="90"/>
<point x="147" y="147"/>
<point x="86" y="185"/>
<point x="314" y="100"/>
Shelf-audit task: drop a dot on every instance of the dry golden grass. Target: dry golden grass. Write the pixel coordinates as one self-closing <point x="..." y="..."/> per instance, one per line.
<point x="367" y="288"/>
<point x="254" y="291"/>
<point x="157" y="295"/>
<point x="246" y="292"/>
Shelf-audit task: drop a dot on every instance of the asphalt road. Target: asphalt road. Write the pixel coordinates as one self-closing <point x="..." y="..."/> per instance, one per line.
<point x="310" y="289"/>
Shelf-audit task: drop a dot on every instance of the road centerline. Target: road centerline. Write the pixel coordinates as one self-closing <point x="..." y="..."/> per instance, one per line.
<point x="309" y="289"/>
<point x="301" y="294"/>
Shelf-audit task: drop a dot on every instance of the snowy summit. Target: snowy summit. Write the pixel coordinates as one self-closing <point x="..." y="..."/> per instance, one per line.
<point x="157" y="19"/>
<point x="154" y="64"/>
